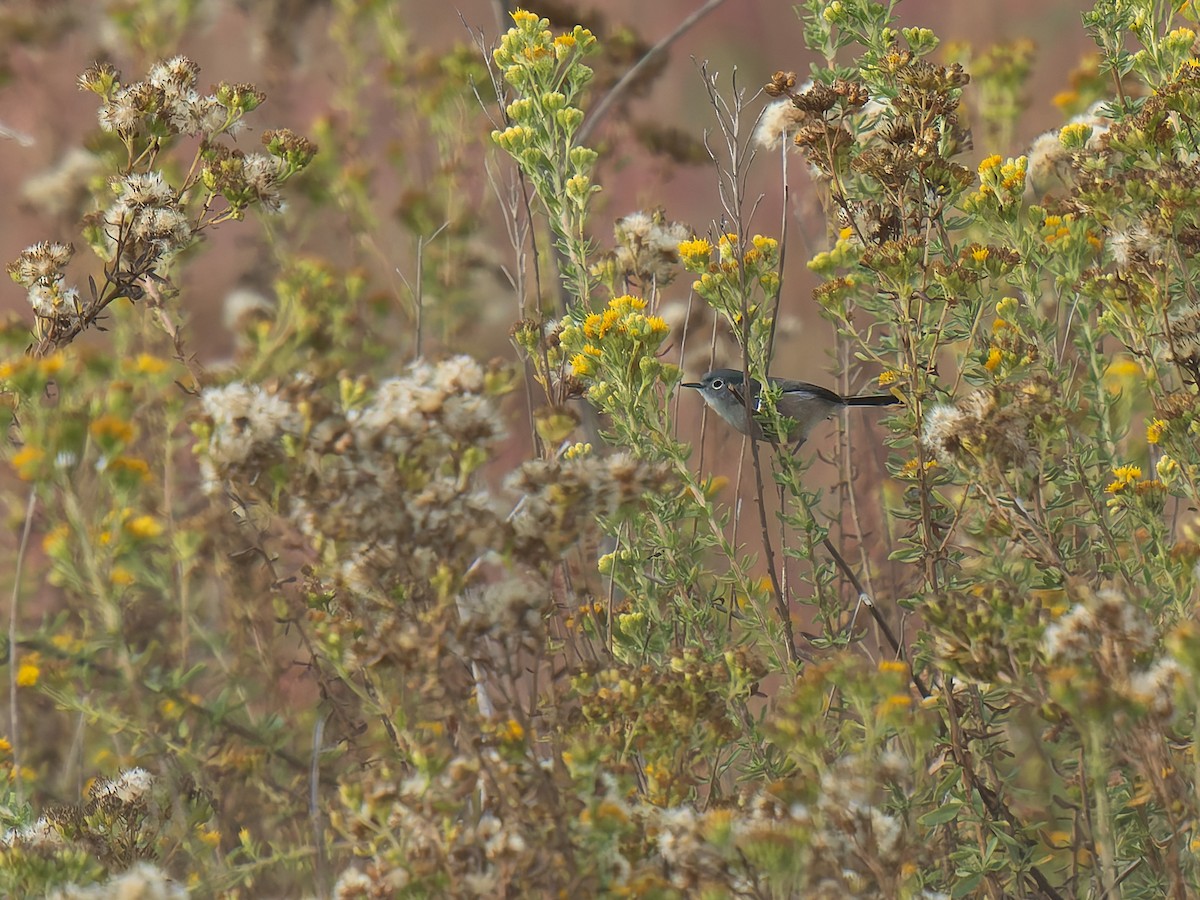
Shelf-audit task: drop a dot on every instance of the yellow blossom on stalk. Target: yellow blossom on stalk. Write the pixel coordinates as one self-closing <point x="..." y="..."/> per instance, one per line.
<point x="512" y="731"/>
<point x="596" y="325"/>
<point x="1075" y="136"/>
<point x="895" y="666"/>
<point x="582" y="365"/>
<point x="55" y="540"/>
<point x="145" y="364"/>
<point x="133" y="465"/>
<point x="888" y="377"/>
<point x="626" y="304"/>
<point x="111" y="428"/>
<point x="993" y="359"/>
<point x="578" y="450"/>
<point x="695" y="252"/>
<point x="68" y="643"/>
<point x="523" y="17"/>
<point x="5" y="745"/>
<point x="912" y="466"/>
<point x="1056" y="227"/>
<point x="1124" y="477"/>
<point x="1003" y="180"/>
<point x="51" y="365"/>
<point x="728" y="244"/>
<point x="144" y="527"/>
<point x="764" y="244"/>
<point x="1154" y="430"/>
<point x="29" y="671"/>
<point x="1065" y="99"/>
<point x="121" y="576"/>
<point x="640" y="326"/>
<point x="210" y="837"/>
<point x="980" y="254"/>
<point x="1012" y="175"/>
<point x="25" y="461"/>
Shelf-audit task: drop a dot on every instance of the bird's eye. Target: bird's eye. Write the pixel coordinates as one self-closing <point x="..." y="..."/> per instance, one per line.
<point x="717" y="384"/>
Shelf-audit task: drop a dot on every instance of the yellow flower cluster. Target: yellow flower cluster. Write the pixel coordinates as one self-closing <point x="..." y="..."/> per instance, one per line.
<point x="695" y="254"/>
<point x="1001" y="181"/>
<point x="621" y="326"/>
<point x="1155" y="429"/>
<point x="1126" y="486"/>
<point x="624" y="315"/>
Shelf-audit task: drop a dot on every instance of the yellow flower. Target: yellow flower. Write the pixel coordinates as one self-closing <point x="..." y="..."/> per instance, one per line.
<point x="1065" y="99"/>
<point x="523" y="17"/>
<point x="25" y="461"/>
<point x="656" y="325"/>
<point x="1125" y="476"/>
<point x="764" y="244"/>
<point x="121" y="576"/>
<point x="210" y="837"/>
<point x="132" y="465"/>
<point x="993" y="359"/>
<point x="29" y="671"/>
<point x="894" y="666"/>
<point x="910" y="468"/>
<point x="67" y="643"/>
<point x="512" y="731"/>
<point x="992" y="162"/>
<point x="1075" y="135"/>
<point x="146" y="364"/>
<point x="695" y="251"/>
<point x="55" y="540"/>
<point x="610" y="320"/>
<point x="626" y="304"/>
<point x="980" y="254"/>
<point x="591" y="325"/>
<point x="112" y="428"/>
<point x="51" y="364"/>
<point x="5" y="745"/>
<point x="888" y="377"/>
<point x="1154" y="430"/>
<point x="577" y="451"/>
<point x="144" y="527"/>
<point x="581" y="365"/>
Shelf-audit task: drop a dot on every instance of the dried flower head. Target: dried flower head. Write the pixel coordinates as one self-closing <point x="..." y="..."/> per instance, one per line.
<point x="647" y="247"/>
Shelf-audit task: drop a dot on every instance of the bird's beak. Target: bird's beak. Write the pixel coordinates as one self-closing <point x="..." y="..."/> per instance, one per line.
<point x="692" y="384"/>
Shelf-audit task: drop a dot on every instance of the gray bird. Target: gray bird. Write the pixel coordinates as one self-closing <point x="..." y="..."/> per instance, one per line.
<point x="806" y="404"/>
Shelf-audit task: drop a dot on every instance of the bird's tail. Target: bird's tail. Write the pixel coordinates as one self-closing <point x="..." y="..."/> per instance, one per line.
<point x="873" y="400"/>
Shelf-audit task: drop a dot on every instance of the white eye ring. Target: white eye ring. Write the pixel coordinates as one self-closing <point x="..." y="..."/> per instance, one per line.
<point x="717" y="384"/>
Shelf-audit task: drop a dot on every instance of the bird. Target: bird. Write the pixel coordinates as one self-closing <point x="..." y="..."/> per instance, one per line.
<point x="805" y="404"/>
